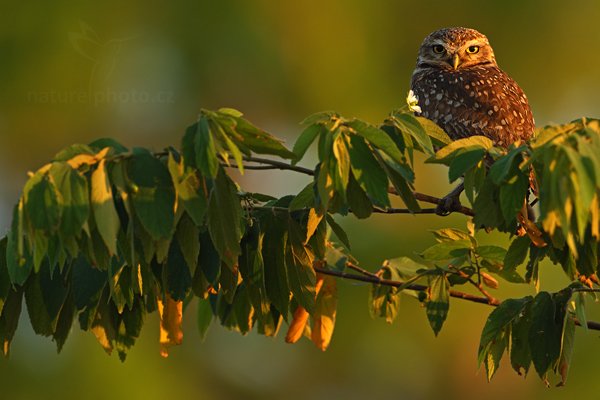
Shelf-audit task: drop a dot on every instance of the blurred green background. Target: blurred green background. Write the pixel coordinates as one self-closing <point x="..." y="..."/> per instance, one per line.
<point x="139" y="71"/>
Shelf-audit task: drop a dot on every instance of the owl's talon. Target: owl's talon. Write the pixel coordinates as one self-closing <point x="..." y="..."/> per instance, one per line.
<point x="448" y="205"/>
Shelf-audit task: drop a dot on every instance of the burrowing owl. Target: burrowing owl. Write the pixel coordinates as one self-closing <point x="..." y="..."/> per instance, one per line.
<point x="459" y="86"/>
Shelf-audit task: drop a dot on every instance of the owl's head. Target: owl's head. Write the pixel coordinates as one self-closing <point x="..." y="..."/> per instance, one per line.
<point x="455" y="48"/>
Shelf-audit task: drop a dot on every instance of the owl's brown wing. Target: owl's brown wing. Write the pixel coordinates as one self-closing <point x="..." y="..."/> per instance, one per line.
<point x="482" y="100"/>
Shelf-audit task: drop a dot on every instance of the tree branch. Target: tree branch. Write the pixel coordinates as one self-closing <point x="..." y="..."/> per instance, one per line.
<point x="274" y="164"/>
<point x="375" y="210"/>
<point x="369" y="278"/>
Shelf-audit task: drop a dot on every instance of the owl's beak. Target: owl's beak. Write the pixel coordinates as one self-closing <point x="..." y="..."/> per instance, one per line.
<point x="455" y="61"/>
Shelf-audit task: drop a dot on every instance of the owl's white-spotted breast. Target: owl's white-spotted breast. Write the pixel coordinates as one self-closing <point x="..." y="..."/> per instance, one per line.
<point x="460" y="86"/>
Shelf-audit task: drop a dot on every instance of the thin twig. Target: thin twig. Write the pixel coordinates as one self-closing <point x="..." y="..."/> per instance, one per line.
<point x="279" y="165"/>
<point x="285" y="166"/>
<point x="375" y="210"/>
<point x="477" y="286"/>
<point x="361" y="270"/>
<point x="593" y="325"/>
<point x="388" y="282"/>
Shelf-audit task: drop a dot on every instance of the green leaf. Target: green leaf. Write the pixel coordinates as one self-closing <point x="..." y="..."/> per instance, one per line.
<point x="72" y="151"/>
<point x="566" y="354"/>
<point x="102" y="143"/>
<point x="464" y="161"/>
<point x="450" y="235"/>
<point x="448" y="152"/>
<point x="233" y="149"/>
<point x="447" y="250"/>
<point x="153" y="195"/>
<point x="401" y="177"/>
<point x="188" y="146"/>
<point x="9" y="318"/>
<point x="224" y="218"/>
<point x="276" y="273"/>
<point x="486" y="206"/>
<point x="385" y="300"/>
<point x="512" y="196"/>
<point x="498" y="320"/>
<point x="517" y="252"/>
<point x="4" y="277"/>
<point x="377" y="138"/>
<point x="359" y="202"/>
<point x="208" y="259"/>
<point x="64" y="323"/>
<point x="305" y="140"/>
<point x="338" y="231"/>
<point x="438" y="303"/>
<point x="87" y="283"/>
<point x="301" y="275"/>
<point x="43" y="203"/>
<point x="260" y="141"/>
<point x="179" y="278"/>
<point x="205" y="150"/>
<point x="105" y="214"/>
<point x="520" y="354"/>
<point x="419" y="130"/>
<point x="473" y="181"/>
<point x="368" y="172"/>
<point x="251" y="266"/>
<point x="406" y="268"/>
<point x="320" y="116"/>
<point x="437" y="134"/>
<point x="340" y="151"/>
<point x="187" y="235"/>
<point x="304" y="199"/>
<point x="190" y="190"/>
<point x="545" y="334"/>
<point x="204" y="317"/>
<point x="495" y="352"/>
<point x="491" y="253"/>
<point x="580" y="309"/>
<point x="74" y="191"/>
<point x="504" y="165"/>
<point x="45" y="296"/>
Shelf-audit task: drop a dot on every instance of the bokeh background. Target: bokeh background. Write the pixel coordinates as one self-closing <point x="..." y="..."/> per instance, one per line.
<point x="139" y="71"/>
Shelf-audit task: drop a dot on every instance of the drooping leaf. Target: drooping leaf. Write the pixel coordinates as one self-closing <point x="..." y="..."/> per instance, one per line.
<point x="325" y="312"/>
<point x="377" y="138"/>
<point x="43" y="203"/>
<point x="305" y="140"/>
<point x="359" y="202"/>
<point x="276" y="270"/>
<point x="301" y="275"/>
<point x="204" y="317"/>
<point x="153" y="194"/>
<point x="544" y="334"/>
<point x="105" y="214"/>
<point x="224" y="218"/>
<point x="438" y="302"/>
<point x="497" y="321"/>
<point x="368" y="172"/>
<point x="517" y="252"/>
<point x="74" y="191"/>
<point x="170" y="312"/>
<point x="338" y="231"/>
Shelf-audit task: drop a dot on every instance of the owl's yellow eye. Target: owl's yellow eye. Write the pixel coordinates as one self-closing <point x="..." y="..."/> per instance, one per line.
<point x="473" y="49"/>
<point x="438" y="49"/>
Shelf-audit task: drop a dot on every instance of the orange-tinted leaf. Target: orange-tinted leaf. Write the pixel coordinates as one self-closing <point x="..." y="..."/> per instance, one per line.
<point x="489" y="280"/>
<point x="103" y="328"/>
<point x="300" y="319"/>
<point x="297" y="325"/>
<point x="171" y="313"/>
<point x="325" y="311"/>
